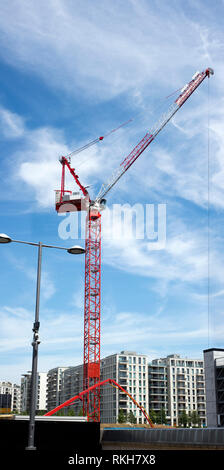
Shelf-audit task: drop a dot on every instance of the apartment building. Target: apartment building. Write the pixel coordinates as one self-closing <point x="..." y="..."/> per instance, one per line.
<point x="72" y="384"/>
<point x="177" y="384"/>
<point x="41" y="403"/>
<point x="54" y="387"/>
<point x="130" y="370"/>
<point x="214" y="386"/>
<point x="10" y="395"/>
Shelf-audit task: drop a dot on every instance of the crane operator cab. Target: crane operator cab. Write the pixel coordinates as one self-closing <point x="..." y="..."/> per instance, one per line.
<point x="71" y="201"/>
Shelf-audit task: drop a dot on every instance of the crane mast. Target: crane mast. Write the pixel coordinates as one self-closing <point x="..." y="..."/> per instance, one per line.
<point x="92" y="307"/>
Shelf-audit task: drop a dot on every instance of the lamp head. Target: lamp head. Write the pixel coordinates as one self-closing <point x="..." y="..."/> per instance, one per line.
<point x="76" y="250"/>
<point x="4" y="238"/>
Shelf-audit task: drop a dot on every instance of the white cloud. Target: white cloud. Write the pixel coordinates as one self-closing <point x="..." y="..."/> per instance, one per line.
<point x="23" y="264"/>
<point x="11" y="124"/>
<point x="105" y="50"/>
<point x="184" y="258"/>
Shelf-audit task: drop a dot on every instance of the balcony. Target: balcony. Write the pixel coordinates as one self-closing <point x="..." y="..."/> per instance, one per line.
<point x="123" y="400"/>
<point x="160" y="377"/>
<point x="122" y="360"/>
<point x="181" y="384"/>
<point x="122" y="367"/>
<point x="157" y="392"/>
<point x="157" y="384"/>
<point x="123" y="381"/>
<point x="200" y="385"/>
<point x="180" y="377"/>
<point x="200" y="400"/>
<point x="158" y="400"/>
<point x="157" y="371"/>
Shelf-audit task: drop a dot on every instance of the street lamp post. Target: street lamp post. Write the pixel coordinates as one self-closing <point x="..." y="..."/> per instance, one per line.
<point x="35" y="345"/>
<point x="74" y="250"/>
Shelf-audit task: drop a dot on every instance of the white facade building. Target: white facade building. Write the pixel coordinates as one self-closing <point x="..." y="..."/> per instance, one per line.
<point x="54" y="387"/>
<point x="129" y="370"/>
<point x="177" y="385"/>
<point x="41" y="391"/>
<point x="8" y="388"/>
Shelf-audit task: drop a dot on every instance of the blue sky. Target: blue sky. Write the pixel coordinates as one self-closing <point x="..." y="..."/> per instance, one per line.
<point x="70" y="72"/>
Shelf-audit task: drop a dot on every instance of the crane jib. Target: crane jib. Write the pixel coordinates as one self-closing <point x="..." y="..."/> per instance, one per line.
<point x="187" y="91"/>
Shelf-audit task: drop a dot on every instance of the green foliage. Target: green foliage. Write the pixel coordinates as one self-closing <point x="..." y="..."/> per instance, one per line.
<point x="153" y="416"/>
<point x="41" y="412"/>
<point x="60" y="412"/>
<point x="158" y="417"/>
<point x="161" y="416"/>
<point x="194" y="418"/>
<point x="121" y="416"/>
<point x="183" y="419"/>
<point x="131" y="418"/>
<point x="80" y="413"/>
<point x="191" y="419"/>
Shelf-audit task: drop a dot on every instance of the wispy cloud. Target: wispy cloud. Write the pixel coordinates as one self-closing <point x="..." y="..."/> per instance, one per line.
<point x="104" y="50"/>
<point x="48" y="288"/>
<point x="11" y="125"/>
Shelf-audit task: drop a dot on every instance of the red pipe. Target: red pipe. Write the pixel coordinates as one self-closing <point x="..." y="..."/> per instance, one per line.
<point x="99" y="384"/>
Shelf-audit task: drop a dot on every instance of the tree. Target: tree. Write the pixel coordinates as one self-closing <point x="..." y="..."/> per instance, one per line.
<point x="80" y="413"/>
<point x="131" y="418"/>
<point x="194" y="418"/>
<point x="161" y="416"/>
<point x="60" y="412"/>
<point x="121" y="416"/>
<point x="183" y="418"/>
<point x="153" y="416"/>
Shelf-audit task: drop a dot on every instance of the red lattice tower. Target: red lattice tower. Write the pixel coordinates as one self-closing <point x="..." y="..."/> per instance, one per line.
<point x="91" y="369"/>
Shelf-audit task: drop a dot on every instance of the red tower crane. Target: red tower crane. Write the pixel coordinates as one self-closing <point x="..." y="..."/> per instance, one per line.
<point x="73" y="201"/>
